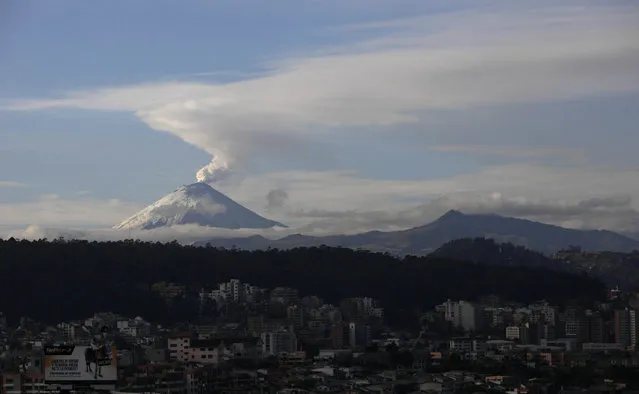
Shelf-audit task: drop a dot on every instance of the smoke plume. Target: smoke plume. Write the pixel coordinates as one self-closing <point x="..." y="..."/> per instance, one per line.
<point x="558" y="52"/>
<point x="275" y="199"/>
<point x="216" y="170"/>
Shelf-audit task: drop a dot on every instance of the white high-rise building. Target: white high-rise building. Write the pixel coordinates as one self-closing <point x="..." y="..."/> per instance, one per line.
<point x="232" y="290"/>
<point x="462" y="314"/>
<point x="359" y="335"/>
<point x="633" y="328"/>
<point x="544" y="310"/>
<point x="136" y="328"/>
<point x="276" y="342"/>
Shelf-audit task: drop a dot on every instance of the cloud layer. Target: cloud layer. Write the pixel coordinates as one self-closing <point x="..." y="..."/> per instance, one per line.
<point x="343" y="202"/>
<point x="11" y="184"/>
<point x="52" y="210"/>
<point x="346" y="202"/>
<point x="470" y="58"/>
<point x="584" y="214"/>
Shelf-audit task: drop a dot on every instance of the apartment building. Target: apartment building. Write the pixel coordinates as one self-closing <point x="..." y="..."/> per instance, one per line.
<point x="136" y="328"/>
<point x="184" y="347"/>
<point x="461" y="314"/>
<point x="276" y="342"/>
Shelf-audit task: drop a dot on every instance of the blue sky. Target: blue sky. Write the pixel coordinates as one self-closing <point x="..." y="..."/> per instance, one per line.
<point x="53" y="49"/>
<point x="109" y="105"/>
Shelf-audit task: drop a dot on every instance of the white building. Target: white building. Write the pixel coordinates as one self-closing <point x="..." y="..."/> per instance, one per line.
<point x="378" y="312"/>
<point x="359" y="335"/>
<point x="276" y="342"/>
<point x="232" y="291"/>
<point x="513" y="333"/>
<point x="466" y="345"/>
<point x="633" y="328"/>
<point x="136" y="328"/>
<point x="500" y="345"/>
<point x="180" y="346"/>
<point x="214" y="294"/>
<point x="461" y="313"/>
<point x="545" y="311"/>
<point x="69" y="331"/>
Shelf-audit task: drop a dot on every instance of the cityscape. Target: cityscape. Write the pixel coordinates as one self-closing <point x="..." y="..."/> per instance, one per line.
<point x="251" y="339"/>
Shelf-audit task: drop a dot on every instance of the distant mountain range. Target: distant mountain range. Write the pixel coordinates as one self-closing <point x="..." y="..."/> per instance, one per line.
<point x="200" y="204"/>
<point x="453" y="225"/>
<point x="633" y="235"/>
<point x="197" y="204"/>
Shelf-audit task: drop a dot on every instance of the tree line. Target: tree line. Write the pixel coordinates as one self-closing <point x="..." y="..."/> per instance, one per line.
<point x="612" y="268"/>
<point x="59" y="280"/>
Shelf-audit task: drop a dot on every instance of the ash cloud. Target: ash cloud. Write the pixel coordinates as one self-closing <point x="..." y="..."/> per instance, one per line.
<point x="276" y="199"/>
<point x="216" y="170"/>
<point x="469" y="62"/>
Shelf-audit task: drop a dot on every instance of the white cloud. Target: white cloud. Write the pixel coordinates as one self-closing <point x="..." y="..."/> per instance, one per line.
<point x="579" y="197"/>
<point x="611" y="212"/>
<point x="181" y="233"/>
<point x="11" y="184"/>
<point x="478" y="57"/>
<point x="520" y="152"/>
<point x="49" y="197"/>
<point x="342" y="202"/>
<point x="52" y="210"/>
<point x="345" y="190"/>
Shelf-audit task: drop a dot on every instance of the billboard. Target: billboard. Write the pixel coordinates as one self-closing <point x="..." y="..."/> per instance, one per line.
<point x="70" y="363"/>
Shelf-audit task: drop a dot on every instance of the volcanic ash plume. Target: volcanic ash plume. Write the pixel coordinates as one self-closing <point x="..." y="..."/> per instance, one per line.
<point x="276" y="199"/>
<point x="216" y="170"/>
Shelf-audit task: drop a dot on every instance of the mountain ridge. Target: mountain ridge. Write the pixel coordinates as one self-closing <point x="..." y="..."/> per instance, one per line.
<point x="422" y="240"/>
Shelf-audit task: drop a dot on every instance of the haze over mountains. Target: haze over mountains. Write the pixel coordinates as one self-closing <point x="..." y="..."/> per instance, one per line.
<point x="453" y="225"/>
<point x="201" y="205"/>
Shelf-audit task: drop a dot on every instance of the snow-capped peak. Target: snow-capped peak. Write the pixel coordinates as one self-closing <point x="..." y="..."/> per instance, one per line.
<point x="198" y="204"/>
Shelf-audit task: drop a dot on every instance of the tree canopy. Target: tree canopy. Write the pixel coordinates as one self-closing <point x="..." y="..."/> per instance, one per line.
<point x="61" y="280"/>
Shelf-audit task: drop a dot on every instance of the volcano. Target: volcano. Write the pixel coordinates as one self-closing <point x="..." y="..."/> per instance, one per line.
<point x="196" y="204"/>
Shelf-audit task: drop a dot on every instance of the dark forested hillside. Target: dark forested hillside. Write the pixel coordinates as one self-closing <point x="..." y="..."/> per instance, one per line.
<point x="55" y="281"/>
<point x="489" y="251"/>
<point x="613" y="268"/>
